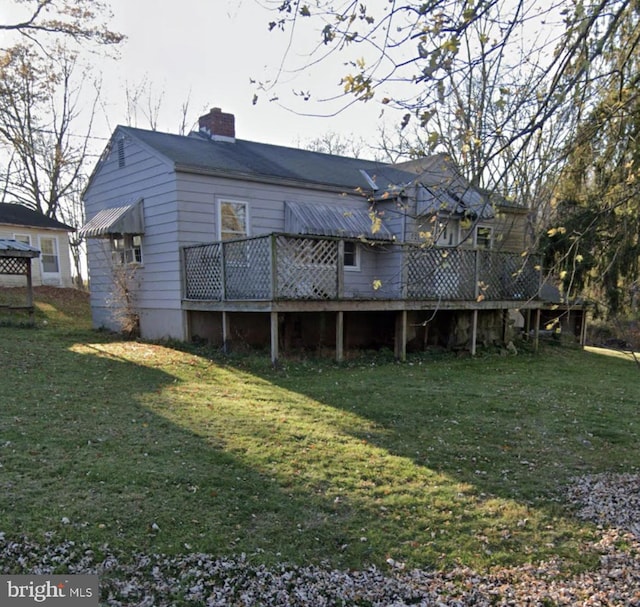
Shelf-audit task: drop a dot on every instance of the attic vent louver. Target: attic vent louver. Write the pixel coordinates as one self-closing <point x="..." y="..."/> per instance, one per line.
<point x="121" y="155"/>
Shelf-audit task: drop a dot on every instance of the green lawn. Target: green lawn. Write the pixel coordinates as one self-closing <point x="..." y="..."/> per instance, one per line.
<point x="434" y="462"/>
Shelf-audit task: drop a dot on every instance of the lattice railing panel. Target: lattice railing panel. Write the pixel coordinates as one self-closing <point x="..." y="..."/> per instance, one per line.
<point x="440" y="273"/>
<point x="307" y="268"/>
<point x="203" y="272"/>
<point x="14" y="265"/>
<point x="518" y="277"/>
<point x="248" y="269"/>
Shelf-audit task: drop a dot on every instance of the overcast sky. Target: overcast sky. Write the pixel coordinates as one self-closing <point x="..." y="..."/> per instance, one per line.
<point x="208" y="51"/>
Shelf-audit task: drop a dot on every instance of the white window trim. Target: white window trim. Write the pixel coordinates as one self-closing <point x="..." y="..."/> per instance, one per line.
<point x="44" y="273"/>
<point x="451" y="223"/>
<point x="219" y="202"/>
<point x="128" y="246"/>
<point x="355" y="267"/>
<point x="18" y="235"/>
<point x="475" y="235"/>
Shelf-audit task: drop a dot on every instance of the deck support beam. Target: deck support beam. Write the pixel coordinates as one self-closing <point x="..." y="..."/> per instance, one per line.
<point x="583" y="328"/>
<point x="225" y="332"/>
<point x="30" y="305"/>
<point x="536" y="330"/>
<point x="474" y="332"/>
<point x="339" y="336"/>
<point x="401" y="336"/>
<point x="274" y="338"/>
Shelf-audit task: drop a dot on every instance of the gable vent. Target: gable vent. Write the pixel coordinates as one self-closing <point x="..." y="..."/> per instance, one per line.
<point x="121" y="155"/>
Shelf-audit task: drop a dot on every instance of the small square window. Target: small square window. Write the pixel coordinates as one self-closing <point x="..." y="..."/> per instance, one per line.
<point x="126" y="249"/>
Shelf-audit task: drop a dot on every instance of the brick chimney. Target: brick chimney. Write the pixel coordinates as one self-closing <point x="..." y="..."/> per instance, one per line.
<point x="218" y="125"/>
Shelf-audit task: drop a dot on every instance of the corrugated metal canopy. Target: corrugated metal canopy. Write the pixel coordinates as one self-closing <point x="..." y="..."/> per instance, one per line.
<point x="445" y="200"/>
<point x="15" y="248"/>
<point x="126" y="219"/>
<point x="325" y="220"/>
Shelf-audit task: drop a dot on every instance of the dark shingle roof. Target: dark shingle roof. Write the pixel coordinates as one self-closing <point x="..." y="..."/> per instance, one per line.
<point x="17" y="214"/>
<point x="253" y="159"/>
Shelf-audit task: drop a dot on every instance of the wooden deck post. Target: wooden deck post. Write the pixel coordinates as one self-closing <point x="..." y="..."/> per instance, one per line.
<point x="225" y="332"/>
<point x="474" y="332"/>
<point x="401" y="336"/>
<point x="339" y="336"/>
<point x="536" y="331"/>
<point x="274" y="338"/>
<point x="30" y="292"/>
<point x="474" y="316"/>
<point x="583" y="328"/>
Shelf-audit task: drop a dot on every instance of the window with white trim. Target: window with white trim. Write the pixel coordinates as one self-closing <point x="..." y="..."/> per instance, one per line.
<point x="49" y="255"/>
<point x="351" y="255"/>
<point x="233" y="219"/>
<point x="23" y="238"/>
<point x="447" y="232"/>
<point x="126" y="248"/>
<point x="483" y="237"/>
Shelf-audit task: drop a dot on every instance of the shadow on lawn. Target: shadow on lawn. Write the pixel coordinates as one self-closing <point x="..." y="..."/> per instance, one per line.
<point x="153" y="448"/>
<point x="98" y="443"/>
<point x="493" y="445"/>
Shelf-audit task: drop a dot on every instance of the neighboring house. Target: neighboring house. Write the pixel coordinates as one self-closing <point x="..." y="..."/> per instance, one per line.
<point x="51" y="237"/>
<point x="237" y="242"/>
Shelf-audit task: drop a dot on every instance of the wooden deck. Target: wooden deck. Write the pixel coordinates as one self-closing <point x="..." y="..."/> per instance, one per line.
<point x="286" y="272"/>
<point x="280" y="274"/>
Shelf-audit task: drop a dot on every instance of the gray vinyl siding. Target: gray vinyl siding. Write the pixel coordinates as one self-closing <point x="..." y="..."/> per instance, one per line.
<point x="145" y="175"/>
<point x="198" y="196"/>
<point x="198" y="216"/>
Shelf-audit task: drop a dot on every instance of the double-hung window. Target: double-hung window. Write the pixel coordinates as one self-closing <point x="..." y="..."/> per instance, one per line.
<point x="49" y="255"/>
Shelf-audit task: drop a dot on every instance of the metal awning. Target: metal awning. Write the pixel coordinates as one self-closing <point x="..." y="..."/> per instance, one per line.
<point x="16" y="249"/>
<point x="126" y="219"/>
<point x="445" y="200"/>
<point x="325" y="220"/>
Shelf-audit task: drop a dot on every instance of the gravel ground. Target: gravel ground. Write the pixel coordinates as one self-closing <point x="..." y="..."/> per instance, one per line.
<point x="612" y="501"/>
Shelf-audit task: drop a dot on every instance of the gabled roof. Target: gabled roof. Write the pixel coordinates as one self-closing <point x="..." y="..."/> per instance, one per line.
<point x="250" y="159"/>
<point x="19" y="215"/>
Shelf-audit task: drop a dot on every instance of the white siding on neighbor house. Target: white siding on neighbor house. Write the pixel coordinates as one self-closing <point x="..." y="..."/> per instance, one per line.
<point x="149" y="176"/>
<point x="61" y="278"/>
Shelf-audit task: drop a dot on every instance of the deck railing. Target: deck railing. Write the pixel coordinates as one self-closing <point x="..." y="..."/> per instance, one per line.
<point x="286" y="267"/>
